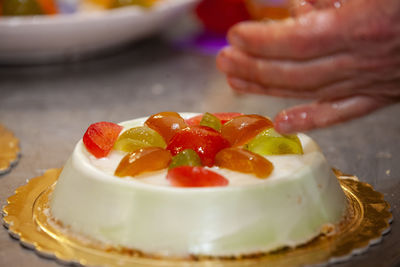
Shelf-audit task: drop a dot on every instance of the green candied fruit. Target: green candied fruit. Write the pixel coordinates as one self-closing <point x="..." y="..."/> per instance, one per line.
<point x="139" y="137"/>
<point x="270" y="142"/>
<point x="21" y="8"/>
<point x="187" y="157"/>
<point x="211" y="121"/>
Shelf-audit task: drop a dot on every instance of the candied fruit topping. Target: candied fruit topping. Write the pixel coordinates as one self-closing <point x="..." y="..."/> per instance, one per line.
<point x="203" y="140"/>
<point x="139" y="137"/>
<point x="241" y="160"/>
<point x="48" y="6"/>
<point x="194" y="176"/>
<point x="239" y="130"/>
<point x="270" y="142"/>
<point x="222" y="116"/>
<point x="100" y="138"/>
<point x="146" y="159"/>
<point x="167" y="124"/>
<point x="211" y="121"/>
<point x="187" y="157"/>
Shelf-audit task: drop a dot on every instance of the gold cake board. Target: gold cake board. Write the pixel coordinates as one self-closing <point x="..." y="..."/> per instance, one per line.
<point x="26" y="217"/>
<point x="9" y="150"/>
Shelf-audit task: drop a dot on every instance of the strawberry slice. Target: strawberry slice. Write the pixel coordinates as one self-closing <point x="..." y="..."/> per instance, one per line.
<point x="100" y="137"/>
<point x="194" y="176"/>
<point x="223" y="116"/>
<point x="202" y="139"/>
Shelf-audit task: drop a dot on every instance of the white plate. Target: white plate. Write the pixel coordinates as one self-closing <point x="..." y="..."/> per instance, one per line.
<point x="66" y="37"/>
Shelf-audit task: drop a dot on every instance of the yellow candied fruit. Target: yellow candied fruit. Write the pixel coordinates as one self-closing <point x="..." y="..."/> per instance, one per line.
<point x="270" y="142"/>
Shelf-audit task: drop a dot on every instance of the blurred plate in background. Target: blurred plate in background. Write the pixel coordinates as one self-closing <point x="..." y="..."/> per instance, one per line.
<point x="67" y="37"/>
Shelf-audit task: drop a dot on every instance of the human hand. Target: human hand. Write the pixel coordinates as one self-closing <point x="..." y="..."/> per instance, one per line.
<point x="346" y="58"/>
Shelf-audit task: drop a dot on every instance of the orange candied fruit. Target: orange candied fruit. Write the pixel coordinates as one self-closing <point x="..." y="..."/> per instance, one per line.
<point x="241" y="160"/>
<point x="166" y="123"/>
<point x="146" y="159"/>
<point x="239" y="130"/>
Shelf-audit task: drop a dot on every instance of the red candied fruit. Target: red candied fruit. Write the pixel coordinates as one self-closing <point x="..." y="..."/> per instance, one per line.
<point x="166" y="123"/>
<point x="239" y="130"/>
<point x="203" y="140"/>
<point x="223" y="116"/>
<point x="100" y="138"/>
<point x="194" y="176"/>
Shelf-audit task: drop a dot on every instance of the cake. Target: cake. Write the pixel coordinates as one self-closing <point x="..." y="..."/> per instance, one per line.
<point x="284" y="203"/>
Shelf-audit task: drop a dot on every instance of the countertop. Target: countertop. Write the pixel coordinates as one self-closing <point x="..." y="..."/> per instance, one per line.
<point x="49" y="107"/>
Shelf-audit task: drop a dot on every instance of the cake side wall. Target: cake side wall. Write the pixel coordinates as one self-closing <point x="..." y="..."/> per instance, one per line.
<point x="218" y="222"/>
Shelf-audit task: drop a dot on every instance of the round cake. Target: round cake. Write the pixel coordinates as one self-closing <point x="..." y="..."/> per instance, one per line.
<point x="156" y="212"/>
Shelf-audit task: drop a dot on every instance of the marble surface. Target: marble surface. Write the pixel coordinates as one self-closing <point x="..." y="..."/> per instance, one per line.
<point x="49" y="107"/>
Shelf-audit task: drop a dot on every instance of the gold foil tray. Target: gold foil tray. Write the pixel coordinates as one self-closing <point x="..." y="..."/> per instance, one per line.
<point x="26" y="217"/>
<point x="9" y="149"/>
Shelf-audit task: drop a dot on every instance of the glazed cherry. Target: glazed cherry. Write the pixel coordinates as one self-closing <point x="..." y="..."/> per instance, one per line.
<point x="194" y="176"/>
<point x="146" y="159"/>
<point x="241" y="160"/>
<point x="166" y="124"/>
<point x="203" y="140"/>
<point x="239" y="130"/>
<point x="100" y="138"/>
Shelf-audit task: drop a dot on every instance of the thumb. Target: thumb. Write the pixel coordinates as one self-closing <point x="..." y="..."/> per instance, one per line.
<point x="321" y="114"/>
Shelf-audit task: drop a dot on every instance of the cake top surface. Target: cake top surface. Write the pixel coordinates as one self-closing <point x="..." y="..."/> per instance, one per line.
<point x="236" y="150"/>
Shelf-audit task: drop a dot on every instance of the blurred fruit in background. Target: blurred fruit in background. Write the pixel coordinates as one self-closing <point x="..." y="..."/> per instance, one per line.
<point x="27" y="7"/>
<point x="268" y="9"/>
<point x="218" y="16"/>
<point x="50" y="7"/>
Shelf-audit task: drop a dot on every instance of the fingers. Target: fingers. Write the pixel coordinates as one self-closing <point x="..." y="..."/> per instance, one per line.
<point x="312" y="35"/>
<point x="296" y="75"/>
<point x="243" y="86"/>
<point x="322" y="114"/>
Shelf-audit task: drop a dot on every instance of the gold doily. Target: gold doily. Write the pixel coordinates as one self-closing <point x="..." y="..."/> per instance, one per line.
<point x="9" y="149"/>
<point x="25" y="216"/>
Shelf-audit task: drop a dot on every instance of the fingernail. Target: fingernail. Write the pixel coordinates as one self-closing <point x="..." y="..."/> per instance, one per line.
<point x="284" y="127"/>
<point x="223" y="61"/>
<point x="234" y="37"/>
<point x="282" y="123"/>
